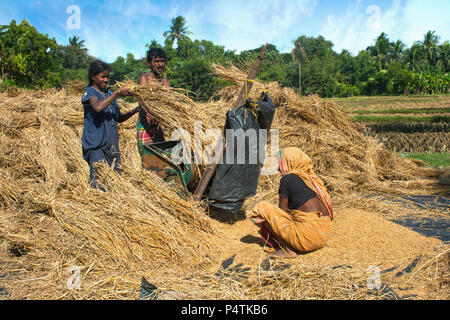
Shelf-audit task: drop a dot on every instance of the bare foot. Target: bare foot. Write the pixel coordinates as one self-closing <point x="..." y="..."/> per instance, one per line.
<point x="258" y="220"/>
<point x="283" y="253"/>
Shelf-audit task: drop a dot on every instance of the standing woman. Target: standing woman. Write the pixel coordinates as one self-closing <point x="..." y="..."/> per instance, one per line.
<point x="302" y="220"/>
<point x="100" y="139"/>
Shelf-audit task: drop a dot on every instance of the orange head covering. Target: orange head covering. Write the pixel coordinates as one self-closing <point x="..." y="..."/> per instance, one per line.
<point x="295" y="161"/>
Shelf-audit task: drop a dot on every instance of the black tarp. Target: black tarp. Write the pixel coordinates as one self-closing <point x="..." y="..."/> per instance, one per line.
<point x="246" y="133"/>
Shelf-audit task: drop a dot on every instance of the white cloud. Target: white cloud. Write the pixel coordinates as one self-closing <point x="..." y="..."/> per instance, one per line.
<point x="105" y="37"/>
<point x="344" y="31"/>
<point x="242" y="25"/>
<point x="422" y="16"/>
<point x="140" y="8"/>
<point x="126" y="26"/>
<point x="405" y="20"/>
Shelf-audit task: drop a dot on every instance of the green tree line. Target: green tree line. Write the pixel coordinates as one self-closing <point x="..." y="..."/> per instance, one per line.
<point x="30" y="59"/>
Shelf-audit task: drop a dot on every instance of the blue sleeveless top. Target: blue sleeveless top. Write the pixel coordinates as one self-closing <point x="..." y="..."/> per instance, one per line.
<point x="100" y="128"/>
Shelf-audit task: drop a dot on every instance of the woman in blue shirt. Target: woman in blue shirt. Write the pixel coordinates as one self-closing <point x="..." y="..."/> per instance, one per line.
<point x="100" y="139"/>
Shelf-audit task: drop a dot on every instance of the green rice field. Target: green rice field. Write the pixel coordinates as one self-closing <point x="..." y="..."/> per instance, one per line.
<point x="438" y="160"/>
<point x="414" y="126"/>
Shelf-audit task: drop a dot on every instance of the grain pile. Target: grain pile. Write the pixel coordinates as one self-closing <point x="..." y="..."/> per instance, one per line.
<point x="51" y="220"/>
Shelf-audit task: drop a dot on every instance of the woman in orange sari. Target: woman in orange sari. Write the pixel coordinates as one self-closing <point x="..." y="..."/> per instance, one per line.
<point x="302" y="221"/>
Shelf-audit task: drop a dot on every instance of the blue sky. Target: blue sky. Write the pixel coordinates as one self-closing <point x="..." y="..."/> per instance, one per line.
<point x="114" y="28"/>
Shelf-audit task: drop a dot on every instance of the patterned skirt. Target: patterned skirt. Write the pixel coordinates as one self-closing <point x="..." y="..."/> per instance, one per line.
<point x="153" y="134"/>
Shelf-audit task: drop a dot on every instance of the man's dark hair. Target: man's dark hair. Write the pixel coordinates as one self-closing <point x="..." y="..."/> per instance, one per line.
<point x="156" y="53"/>
<point x="95" y="68"/>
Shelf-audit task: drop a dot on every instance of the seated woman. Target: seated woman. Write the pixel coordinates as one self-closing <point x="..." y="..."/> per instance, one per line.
<point x="302" y="222"/>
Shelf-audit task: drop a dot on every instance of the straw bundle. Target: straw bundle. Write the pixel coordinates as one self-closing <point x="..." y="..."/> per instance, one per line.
<point x="175" y="111"/>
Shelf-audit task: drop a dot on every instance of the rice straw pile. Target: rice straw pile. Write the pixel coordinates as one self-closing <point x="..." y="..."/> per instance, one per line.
<point x="74" y="86"/>
<point x="51" y="220"/>
<point x="48" y="205"/>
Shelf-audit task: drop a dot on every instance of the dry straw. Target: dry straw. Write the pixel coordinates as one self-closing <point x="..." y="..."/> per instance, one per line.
<point x="50" y="219"/>
<point x="180" y="117"/>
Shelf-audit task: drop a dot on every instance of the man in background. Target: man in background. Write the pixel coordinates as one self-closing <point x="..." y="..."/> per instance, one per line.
<point x="148" y="130"/>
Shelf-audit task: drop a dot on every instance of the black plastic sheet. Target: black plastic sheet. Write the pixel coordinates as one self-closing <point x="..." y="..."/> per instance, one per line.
<point x="237" y="178"/>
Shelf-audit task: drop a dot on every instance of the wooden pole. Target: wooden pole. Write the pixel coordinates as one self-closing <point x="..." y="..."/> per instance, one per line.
<point x="211" y="169"/>
<point x="300" y="60"/>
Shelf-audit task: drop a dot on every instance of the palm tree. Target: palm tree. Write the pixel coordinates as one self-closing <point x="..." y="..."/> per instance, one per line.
<point x="414" y="56"/>
<point x="430" y="43"/>
<point x="153" y="44"/>
<point x="75" y="43"/>
<point x="75" y="56"/>
<point x="397" y="49"/>
<point x="443" y="60"/>
<point x="299" y="56"/>
<point x="178" y="30"/>
<point x="382" y="46"/>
